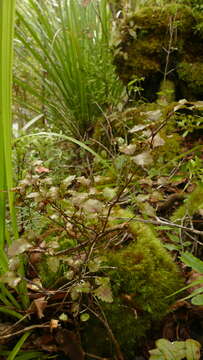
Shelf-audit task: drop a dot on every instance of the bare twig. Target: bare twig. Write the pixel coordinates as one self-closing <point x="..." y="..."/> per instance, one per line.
<point x="85" y="243"/>
<point x="160" y="222"/>
<point x="22" y="331"/>
<point x="95" y="356"/>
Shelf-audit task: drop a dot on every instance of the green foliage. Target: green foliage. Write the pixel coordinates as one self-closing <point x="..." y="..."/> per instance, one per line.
<point x="192" y="204"/>
<point x="196" y="264"/>
<point x="7" y="10"/>
<point x="155" y="40"/>
<point x="143" y="274"/>
<point x="191" y="72"/>
<point x="70" y="60"/>
<point x="16" y="349"/>
<point x="176" y="350"/>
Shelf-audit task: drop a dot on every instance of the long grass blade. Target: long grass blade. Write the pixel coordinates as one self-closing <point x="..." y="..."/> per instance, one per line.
<point x="68" y="138"/>
<point x="10" y="312"/>
<point x="7" y="10"/>
<point x="18" y="346"/>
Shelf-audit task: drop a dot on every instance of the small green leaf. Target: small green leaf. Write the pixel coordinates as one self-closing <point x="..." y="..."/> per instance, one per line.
<point x="192" y="349"/>
<point x="177" y="350"/>
<point x="84" y="317"/>
<point x="198" y="299"/>
<point x="63" y="317"/>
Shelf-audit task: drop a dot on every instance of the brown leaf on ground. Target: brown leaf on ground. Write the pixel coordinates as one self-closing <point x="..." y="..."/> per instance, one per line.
<point x="38" y="306"/>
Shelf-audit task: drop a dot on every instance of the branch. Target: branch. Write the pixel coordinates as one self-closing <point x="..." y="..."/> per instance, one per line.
<point x="160" y="222"/>
<point x="28" y="328"/>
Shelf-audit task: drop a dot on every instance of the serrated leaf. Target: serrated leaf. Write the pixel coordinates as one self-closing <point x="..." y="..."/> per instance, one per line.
<point x="83" y="287"/>
<point x="165" y="347"/>
<point x="177" y="350"/>
<point x="192" y="349"/>
<point x="104" y="293"/>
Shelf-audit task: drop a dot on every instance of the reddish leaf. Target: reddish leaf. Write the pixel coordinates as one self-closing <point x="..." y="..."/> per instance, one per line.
<point x="41" y="170"/>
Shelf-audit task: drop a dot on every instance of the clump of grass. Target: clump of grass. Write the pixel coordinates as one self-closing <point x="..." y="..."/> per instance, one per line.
<point x="64" y="46"/>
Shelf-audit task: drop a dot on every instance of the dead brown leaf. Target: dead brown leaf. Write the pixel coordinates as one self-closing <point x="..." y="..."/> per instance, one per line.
<point x="38" y="306"/>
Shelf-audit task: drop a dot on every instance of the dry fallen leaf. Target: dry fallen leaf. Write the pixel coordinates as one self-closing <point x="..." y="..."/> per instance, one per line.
<point x="18" y="247"/>
<point x="128" y="149"/>
<point x="143" y="159"/>
<point x="40" y="305"/>
<point x="137" y="128"/>
<point x="154" y="115"/>
<point x="158" y="141"/>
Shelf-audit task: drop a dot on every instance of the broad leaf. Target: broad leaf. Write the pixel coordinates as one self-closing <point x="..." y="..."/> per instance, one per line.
<point x="177" y="350"/>
<point x="192" y="261"/>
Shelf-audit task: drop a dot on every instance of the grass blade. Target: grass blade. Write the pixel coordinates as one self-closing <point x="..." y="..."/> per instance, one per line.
<point x="7" y="11"/>
<point x="18" y="346"/>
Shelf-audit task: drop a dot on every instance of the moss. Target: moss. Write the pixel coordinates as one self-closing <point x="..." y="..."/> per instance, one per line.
<point x="192" y="74"/>
<point x="143" y="275"/>
<point x="166" y="92"/>
<point x="192" y="204"/>
<point x="145" y="35"/>
<point x="165" y="154"/>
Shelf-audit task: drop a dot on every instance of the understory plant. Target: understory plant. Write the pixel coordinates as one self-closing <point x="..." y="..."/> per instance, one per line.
<point x="74" y="265"/>
<point x="67" y="64"/>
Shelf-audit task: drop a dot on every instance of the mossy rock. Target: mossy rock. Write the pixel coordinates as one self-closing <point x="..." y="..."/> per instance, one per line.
<point x="142" y="275"/>
<point x="191" y="74"/>
<point x="144" y="41"/>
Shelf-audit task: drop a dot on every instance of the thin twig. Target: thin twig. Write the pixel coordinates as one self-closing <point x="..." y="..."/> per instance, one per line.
<point x="160" y="222"/>
<point x="95" y="356"/>
<point x="28" y="328"/>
